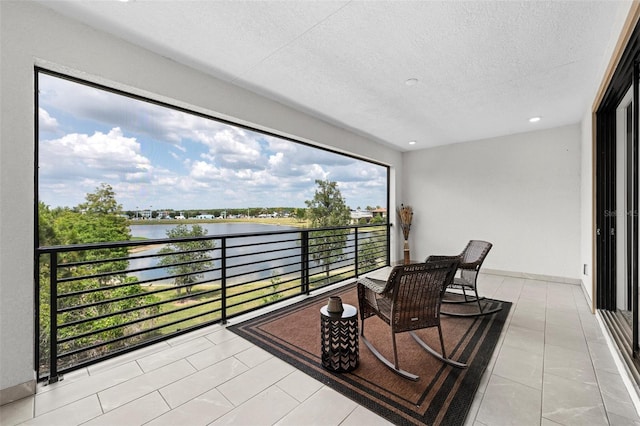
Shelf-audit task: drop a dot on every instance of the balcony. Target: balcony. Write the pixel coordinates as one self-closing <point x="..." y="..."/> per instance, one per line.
<point x="553" y="365"/>
<point x="104" y="299"/>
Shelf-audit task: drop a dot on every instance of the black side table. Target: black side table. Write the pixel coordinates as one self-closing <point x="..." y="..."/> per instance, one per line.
<point x="339" y="335"/>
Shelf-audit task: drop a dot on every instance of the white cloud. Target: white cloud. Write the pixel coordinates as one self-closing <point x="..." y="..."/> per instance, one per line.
<point x="81" y="154"/>
<point x="213" y="164"/>
<point x="234" y="148"/>
<point x="276" y="160"/>
<point x="202" y="170"/>
<point x="46" y="122"/>
<point x="84" y="161"/>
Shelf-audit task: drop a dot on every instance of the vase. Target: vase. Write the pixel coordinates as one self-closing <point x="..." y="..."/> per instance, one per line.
<point x="407" y="255"/>
<point x="335" y="305"/>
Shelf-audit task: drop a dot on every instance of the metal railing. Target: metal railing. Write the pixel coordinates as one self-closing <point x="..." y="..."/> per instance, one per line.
<point x="100" y="300"/>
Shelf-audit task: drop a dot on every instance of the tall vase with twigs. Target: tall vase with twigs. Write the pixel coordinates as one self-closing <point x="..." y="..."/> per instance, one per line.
<point x="405" y="213"/>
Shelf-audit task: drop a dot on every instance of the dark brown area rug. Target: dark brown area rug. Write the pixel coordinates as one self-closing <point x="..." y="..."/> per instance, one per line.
<point x="442" y="395"/>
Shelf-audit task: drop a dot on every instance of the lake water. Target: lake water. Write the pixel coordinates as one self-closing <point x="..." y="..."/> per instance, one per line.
<point x="160" y="230"/>
<point x="237" y="256"/>
<point x="248" y="258"/>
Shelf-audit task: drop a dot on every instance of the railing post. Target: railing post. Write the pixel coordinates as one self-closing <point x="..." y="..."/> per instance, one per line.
<point x="53" y="319"/>
<point x="304" y="266"/>
<point x="356" y="254"/>
<point x="223" y="279"/>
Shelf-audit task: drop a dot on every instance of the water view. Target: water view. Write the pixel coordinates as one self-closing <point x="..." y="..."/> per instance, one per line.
<point x="158" y="231"/>
<point x="242" y="258"/>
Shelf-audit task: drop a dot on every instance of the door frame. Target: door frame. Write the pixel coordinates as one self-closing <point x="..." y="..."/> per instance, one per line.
<point x="622" y="74"/>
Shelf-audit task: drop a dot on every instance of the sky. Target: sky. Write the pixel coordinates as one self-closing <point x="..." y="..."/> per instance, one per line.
<point x="161" y="158"/>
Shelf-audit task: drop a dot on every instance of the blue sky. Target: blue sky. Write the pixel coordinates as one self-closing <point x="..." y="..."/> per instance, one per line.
<point x="161" y="158"/>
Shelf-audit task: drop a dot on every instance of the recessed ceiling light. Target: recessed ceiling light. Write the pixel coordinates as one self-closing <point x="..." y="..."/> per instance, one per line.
<point x="411" y="82"/>
<point x="412" y="142"/>
<point x="534" y="119"/>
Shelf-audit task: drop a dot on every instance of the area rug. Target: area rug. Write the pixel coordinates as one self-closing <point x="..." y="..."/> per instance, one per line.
<point x="442" y="395"/>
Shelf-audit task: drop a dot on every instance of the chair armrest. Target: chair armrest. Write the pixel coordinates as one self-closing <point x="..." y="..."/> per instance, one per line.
<point x="435" y="258"/>
<point x="377" y="286"/>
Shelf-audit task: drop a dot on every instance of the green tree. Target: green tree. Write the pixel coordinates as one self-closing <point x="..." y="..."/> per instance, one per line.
<point x="327" y="209"/>
<point x="300" y="214"/>
<point x="46" y="232"/>
<point x="274" y="296"/>
<point x="377" y="219"/>
<point x="368" y="255"/>
<point x="97" y="220"/>
<point x="101" y="202"/>
<point x="189" y="258"/>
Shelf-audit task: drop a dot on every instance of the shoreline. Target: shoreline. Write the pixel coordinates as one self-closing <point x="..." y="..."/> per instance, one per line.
<point x="140" y="249"/>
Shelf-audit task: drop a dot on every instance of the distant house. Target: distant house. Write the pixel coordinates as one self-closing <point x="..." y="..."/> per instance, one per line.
<point x="205" y="216"/>
<point x="357" y="215"/>
<point x="379" y="212"/>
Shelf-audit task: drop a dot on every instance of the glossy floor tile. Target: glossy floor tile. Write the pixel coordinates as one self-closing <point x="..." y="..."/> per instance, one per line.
<point x="552" y="366"/>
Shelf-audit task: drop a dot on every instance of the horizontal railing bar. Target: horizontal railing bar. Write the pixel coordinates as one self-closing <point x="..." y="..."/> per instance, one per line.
<point x="248" y="300"/>
<point x="295" y="273"/>
<point x="256" y="308"/>
<point x="97" y="289"/>
<point x="253" y="271"/>
<point x="129" y="271"/>
<point x="178" y="253"/>
<point x="253" y="290"/>
<point x="129" y="243"/>
<point x="237" y="256"/>
<point x="151" y="317"/>
<point x="118" y="244"/>
<point x="243" y="265"/>
<point x="135" y="346"/>
<point x="262" y="243"/>
<point x="290" y="280"/>
<point x="138" y="333"/>
<point x="98" y="261"/>
<point x="134" y="309"/>
<point x="270" y="267"/>
<point x="291" y="272"/>
<point x="247" y="283"/>
<point x="131" y="296"/>
<point x="336" y="269"/>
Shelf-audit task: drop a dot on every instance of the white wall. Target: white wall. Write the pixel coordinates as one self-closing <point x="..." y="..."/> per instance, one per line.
<point x="520" y="192"/>
<point x="30" y="35"/>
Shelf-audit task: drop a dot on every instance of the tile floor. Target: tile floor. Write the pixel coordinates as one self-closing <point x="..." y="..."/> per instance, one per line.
<point x="552" y="366"/>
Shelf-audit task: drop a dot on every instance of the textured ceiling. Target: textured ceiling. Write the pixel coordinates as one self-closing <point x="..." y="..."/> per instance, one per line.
<point x="483" y="67"/>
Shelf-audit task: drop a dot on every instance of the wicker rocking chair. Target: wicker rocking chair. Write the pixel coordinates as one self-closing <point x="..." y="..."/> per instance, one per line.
<point x="409" y="300"/>
<point x="471" y="260"/>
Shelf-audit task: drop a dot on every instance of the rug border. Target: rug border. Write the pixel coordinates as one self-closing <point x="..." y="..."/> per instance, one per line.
<point x="340" y="381"/>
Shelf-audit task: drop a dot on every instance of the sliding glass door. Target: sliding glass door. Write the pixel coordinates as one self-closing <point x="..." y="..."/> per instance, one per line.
<point x="616" y="204"/>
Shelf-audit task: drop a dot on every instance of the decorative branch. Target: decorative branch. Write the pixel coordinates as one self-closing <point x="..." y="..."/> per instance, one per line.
<point x="406" y="214"/>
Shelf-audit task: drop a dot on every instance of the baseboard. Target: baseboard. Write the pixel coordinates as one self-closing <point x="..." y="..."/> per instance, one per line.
<point x="17" y="392"/>
<point x="623" y="368"/>
<point x="538" y="277"/>
<point x="587" y="297"/>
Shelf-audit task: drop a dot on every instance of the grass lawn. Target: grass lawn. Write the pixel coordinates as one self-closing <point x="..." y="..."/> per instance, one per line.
<point x="240" y="299"/>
